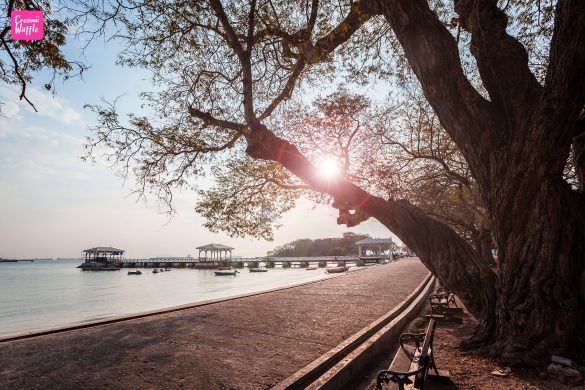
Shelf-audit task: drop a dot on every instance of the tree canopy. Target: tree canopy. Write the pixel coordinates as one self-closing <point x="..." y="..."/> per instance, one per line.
<point x="232" y="82"/>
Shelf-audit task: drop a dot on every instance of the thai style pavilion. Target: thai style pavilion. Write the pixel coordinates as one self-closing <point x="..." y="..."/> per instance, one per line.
<point x="375" y="248"/>
<point x="217" y="252"/>
<point x="102" y="258"/>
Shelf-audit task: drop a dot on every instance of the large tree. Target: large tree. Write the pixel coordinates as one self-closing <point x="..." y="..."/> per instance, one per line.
<point x="224" y="72"/>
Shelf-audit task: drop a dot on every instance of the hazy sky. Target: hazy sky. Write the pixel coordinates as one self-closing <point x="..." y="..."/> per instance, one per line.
<point x="52" y="204"/>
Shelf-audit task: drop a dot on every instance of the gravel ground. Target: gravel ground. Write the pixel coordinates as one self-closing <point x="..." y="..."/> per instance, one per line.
<point x="248" y="343"/>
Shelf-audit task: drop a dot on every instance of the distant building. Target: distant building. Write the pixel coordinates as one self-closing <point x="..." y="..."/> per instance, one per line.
<point x="216" y="251"/>
<point x="375" y="248"/>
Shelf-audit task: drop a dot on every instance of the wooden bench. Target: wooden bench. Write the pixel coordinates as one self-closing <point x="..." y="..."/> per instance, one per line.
<point x="443" y="304"/>
<point x="413" y="360"/>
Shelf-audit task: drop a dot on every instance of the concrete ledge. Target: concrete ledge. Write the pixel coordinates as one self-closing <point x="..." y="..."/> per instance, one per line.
<point x="164" y="311"/>
<point x="329" y="368"/>
<point x="354" y="363"/>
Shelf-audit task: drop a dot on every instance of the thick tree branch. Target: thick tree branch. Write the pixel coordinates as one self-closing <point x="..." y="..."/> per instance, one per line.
<point x="438" y="246"/>
<point x="233" y="40"/>
<point x="502" y="61"/>
<point x="209" y="119"/>
<point x="432" y="52"/>
<point x="564" y="94"/>
<point x="360" y="12"/>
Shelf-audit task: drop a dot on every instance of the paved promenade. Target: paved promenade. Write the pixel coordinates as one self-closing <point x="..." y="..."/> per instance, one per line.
<point x="249" y="343"/>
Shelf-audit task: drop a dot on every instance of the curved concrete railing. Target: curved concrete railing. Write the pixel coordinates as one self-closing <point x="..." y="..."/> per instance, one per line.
<point x="333" y="369"/>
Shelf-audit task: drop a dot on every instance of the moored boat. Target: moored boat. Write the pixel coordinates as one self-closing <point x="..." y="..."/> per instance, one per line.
<point x="337" y="270"/>
<point x="226" y="273"/>
<point x="137" y="272"/>
<point x="258" y="270"/>
<point x="155" y="271"/>
<point x="310" y="268"/>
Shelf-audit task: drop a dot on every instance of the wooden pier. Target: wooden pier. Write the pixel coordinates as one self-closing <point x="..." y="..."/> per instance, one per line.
<point x="253" y="262"/>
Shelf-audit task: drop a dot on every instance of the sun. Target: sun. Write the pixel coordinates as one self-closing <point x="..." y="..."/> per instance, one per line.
<point x="328" y="168"/>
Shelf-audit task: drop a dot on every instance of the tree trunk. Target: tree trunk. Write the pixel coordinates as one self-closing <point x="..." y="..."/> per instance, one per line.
<point x="449" y="257"/>
<point x="541" y="298"/>
<point x="579" y="158"/>
<point x="483" y="242"/>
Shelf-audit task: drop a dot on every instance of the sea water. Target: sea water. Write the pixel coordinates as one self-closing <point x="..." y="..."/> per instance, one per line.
<point x="49" y="294"/>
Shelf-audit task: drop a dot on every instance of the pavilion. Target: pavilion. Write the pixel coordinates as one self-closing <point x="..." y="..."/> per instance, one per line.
<point x="375" y="248"/>
<point x="216" y="251"/>
<point x="102" y="258"/>
<point x="103" y="253"/>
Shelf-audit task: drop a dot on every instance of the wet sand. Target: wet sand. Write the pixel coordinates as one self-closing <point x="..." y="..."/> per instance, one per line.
<point x="249" y="343"/>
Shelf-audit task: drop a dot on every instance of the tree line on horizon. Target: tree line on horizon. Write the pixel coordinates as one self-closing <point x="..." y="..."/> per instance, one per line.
<point x="306" y="247"/>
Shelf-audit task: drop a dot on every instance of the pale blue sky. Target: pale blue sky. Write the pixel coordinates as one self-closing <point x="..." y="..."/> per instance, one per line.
<point x="52" y="204"/>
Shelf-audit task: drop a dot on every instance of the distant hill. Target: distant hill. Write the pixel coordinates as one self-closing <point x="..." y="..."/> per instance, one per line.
<point x="304" y="247"/>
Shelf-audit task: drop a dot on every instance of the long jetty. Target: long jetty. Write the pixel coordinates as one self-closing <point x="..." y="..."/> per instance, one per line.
<point x="253" y="262"/>
<point x="252" y="342"/>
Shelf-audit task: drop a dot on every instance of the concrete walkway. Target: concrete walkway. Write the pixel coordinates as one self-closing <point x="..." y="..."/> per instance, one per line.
<point x="249" y="343"/>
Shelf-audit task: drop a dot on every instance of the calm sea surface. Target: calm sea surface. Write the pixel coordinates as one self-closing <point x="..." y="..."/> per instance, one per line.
<point x="47" y="294"/>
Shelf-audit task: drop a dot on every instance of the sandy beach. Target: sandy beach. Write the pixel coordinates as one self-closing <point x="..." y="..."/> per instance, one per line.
<point x="249" y="343"/>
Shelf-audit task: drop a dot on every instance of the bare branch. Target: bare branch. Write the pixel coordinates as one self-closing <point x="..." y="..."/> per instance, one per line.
<point x="17" y="71"/>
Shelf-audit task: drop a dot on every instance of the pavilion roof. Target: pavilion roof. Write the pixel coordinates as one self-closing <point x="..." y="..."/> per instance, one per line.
<point x="214" y="247"/>
<point x="105" y="249"/>
<point x="373" y="241"/>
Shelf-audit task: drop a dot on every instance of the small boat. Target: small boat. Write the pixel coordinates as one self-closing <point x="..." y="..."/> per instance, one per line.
<point x="168" y="269"/>
<point x="155" y="271"/>
<point x="337" y="270"/>
<point x="310" y="268"/>
<point x="258" y="270"/>
<point x="137" y="272"/>
<point x="162" y="270"/>
<point x="227" y="273"/>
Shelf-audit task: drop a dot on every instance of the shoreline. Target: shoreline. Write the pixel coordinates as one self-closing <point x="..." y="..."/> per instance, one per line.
<point x="170" y="309"/>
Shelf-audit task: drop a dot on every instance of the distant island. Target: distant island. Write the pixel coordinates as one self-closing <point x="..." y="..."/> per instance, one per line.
<point x="2" y="260"/>
<point x="305" y="247"/>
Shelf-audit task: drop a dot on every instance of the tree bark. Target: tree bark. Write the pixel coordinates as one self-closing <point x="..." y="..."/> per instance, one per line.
<point x="579" y="154"/>
<point x="483" y="242"/>
<point x="541" y="298"/>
